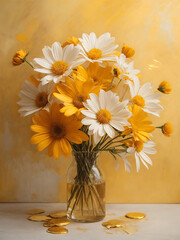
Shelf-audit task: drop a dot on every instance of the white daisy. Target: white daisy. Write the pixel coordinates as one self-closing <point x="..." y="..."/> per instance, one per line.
<point x="127" y="73"/>
<point x="95" y="49"/>
<point x="57" y="62"/>
<point x="104" y="113"/>
<point x="147" y="100"/>
<point x="140" y="149"/>
<point x="34" y="98"/>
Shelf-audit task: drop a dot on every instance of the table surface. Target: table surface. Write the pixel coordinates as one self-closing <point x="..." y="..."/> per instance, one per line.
<point x="162" y="223"/>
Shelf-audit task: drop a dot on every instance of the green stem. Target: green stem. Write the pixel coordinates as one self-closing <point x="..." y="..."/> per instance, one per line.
<point x="25" y="60"/>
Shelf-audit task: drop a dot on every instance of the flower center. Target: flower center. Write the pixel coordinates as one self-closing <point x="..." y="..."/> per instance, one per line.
<point x="138" y="100"/>
<point x="94" y="53"/>
<point x="57" y="131"/>
<point x="138" y="146"/>
<point x="41" y="99"/>
<point x="116" y="71"/>
<point x="78" y="101"/>
<point x="103" y="116"/>
<point x="59" y="67"/>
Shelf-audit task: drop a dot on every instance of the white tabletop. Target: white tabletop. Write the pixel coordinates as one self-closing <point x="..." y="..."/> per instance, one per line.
<point x="163" y="223"/>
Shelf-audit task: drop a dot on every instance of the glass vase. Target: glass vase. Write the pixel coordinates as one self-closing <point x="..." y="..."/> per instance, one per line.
<point x="85" y="188"/>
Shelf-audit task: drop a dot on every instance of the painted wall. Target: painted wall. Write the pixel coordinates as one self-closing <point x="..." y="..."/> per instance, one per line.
<point x="152" y="28"/>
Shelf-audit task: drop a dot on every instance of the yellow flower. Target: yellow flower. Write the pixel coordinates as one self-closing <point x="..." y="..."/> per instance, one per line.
<point x="18" y="57"/>
<point x="71" y="40"/>
<point x="100" y="76"/>
<point x="167" y="129"/>
<point x="165" y="87"/>
<point x="55" y="131"/>
<point x="140" y="124"/>
<point x="128" y="51"/>
<point x="73" y="94"/>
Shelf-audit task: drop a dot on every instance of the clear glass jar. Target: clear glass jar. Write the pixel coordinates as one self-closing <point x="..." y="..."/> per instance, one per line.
<point x="85" y="188"/>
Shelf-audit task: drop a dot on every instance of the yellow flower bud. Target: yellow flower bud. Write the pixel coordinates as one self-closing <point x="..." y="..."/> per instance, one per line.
<point x="165" y="87"/>
<point x="71" y="40"/>
<point x="128" y="51"/>
<point x="18" y="57"/>
<point x="167" y="129"/>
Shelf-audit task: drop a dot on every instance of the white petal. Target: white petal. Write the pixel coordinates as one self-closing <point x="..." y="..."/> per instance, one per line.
<point x="145" y="157"/>
<point x="109" y="130"/>
<point x="42" y="70"/>
<point x="137" y="162"/>
<point x="117" y="125"/>
<point x="89" y="114"/>
<point x="43" y="63"/>
<point x="88" y="121"/>
<point x="57" y="51"/>
<point x="48" y="54"/>
<point x="101" y="131"/>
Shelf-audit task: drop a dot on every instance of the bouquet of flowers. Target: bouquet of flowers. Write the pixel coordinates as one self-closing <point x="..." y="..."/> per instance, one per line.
<point x="85" y="99"/>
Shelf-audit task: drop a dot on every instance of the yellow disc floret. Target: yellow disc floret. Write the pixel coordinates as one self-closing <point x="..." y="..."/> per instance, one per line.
<point x="103" y="116"/>
<point x="59" y="67"/>
<point x="94" y="53"/>
<point x="41" y="99"/>
<point x="138" y="145"/>
<point x="78" y="101"/>
<point x="138" y="100"/>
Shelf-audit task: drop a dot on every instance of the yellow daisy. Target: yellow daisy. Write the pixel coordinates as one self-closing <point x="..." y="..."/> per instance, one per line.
<point x="73" y="94"/>
<point x="140" y="124"/>
<point x="55" y="131"/>
<point x="101" y="76"/>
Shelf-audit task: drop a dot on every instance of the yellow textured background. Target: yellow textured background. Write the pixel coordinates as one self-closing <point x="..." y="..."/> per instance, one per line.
<point x="152" y="28"/>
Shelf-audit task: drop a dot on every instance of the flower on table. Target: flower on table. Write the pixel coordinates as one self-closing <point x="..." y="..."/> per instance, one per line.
<point x="147" y="100"/>
<point x="104" y="114"/>
<point x="95" y="49"/>
<point x="58" y="62"/>
<point x="34" y="97"/>
<point x="55" y="132"/>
